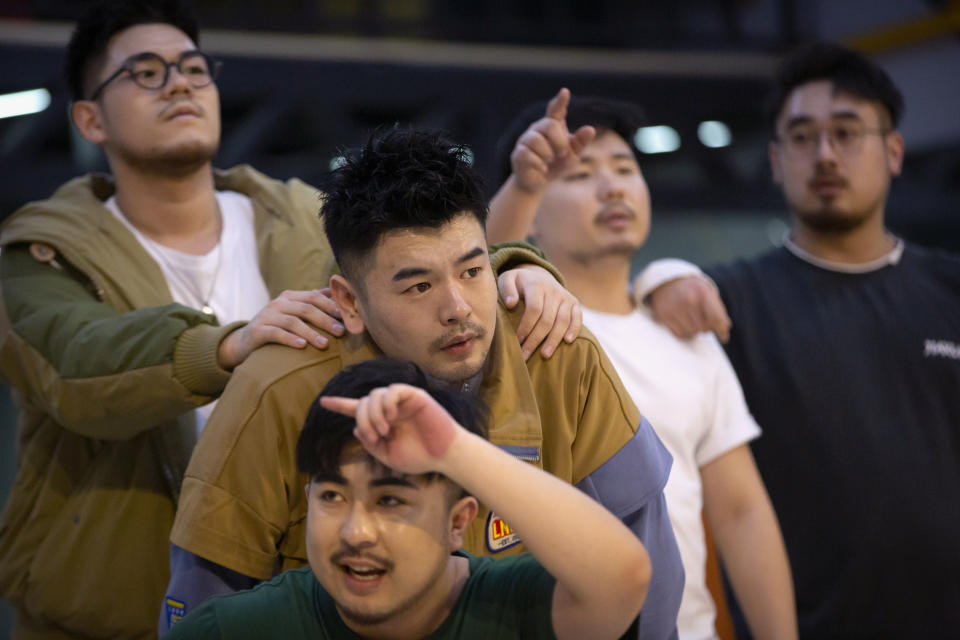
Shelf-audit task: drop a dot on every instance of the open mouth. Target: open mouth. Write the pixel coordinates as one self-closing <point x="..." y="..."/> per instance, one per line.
<point x="363" y="574"/>
<point x="459" y="344"/>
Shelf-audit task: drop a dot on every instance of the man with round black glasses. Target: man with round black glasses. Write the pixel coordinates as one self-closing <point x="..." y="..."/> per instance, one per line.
<point x="127" y="301"/>
<point x="150" y="71"/>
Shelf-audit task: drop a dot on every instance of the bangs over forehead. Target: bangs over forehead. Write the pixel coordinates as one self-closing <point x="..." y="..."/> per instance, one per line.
<point x="354" y="452"/>
<point x="327" y="437"/>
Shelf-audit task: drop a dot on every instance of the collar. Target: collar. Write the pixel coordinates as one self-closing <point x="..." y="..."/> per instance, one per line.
<point x="891" y="258"/>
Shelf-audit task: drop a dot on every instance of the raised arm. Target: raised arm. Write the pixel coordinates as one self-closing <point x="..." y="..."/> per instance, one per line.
<point x="600" y="586"/>
<point x="543" y="152"/>
<point x="81" y="360"/>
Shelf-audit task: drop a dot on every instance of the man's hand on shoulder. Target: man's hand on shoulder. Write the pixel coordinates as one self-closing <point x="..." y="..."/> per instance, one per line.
<point x="284" y="321"/>
<point x="688" y="306"/>
<point x="551" y="314"/>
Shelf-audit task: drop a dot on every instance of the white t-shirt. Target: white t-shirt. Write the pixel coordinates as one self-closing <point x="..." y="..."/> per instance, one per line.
<point x="690" y="394"/>
<point x="227" y="278"/>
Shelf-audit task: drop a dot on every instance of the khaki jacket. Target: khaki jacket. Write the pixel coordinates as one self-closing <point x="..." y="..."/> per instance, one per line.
<point x="244" y="508"/>
<point x="105" y="369"/>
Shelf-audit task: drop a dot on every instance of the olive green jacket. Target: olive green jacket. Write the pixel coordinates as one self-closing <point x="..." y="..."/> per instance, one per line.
<point x="105" y="369"/>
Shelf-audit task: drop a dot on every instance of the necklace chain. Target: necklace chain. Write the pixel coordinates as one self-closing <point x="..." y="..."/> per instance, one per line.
<point x="205" y="306"/>
<point x="192" y="284"/>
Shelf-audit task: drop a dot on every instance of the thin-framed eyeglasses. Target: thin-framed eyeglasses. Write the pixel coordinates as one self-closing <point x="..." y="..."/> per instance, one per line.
<point x="150" y="71"/>
<point x="845" y="137"/>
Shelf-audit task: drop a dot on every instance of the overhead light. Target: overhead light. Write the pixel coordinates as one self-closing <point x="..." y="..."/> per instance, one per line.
<point x="714" y="134"/>
<point x="658" y="139"/>
<point x="23" y="103"/>
<point x="336" y="162"/>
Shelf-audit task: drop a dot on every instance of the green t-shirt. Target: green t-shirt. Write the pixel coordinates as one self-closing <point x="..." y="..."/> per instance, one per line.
<point x="506" y="598"/>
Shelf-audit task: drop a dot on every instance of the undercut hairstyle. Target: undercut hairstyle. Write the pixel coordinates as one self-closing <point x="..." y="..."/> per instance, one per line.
<point x="604" y="114"/>
<point x="326" y="433"/>
<point x="88" y="44"/>
<point x="401" y="179"/>
<point x="850" y="73"/>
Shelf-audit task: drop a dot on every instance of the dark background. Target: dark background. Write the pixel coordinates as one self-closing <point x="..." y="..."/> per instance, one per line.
<point x="303" y="78"/>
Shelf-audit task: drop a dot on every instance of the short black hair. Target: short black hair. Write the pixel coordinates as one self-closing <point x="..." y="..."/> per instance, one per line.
<point x="326" y="433"/>
<point x="604" y="114"/>
<point x="849" y="71"/>
<point x="109" y="17"/>
<point x="401" y="179"/>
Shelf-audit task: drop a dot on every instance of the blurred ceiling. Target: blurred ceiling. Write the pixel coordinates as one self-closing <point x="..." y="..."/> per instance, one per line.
<point x="305" y="77"/>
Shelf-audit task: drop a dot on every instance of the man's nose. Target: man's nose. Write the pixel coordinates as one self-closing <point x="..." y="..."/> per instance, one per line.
<point x="825" y="150"/>
<point x="176" y="81"/>
<point x="455" y="307"/>
<point x="609" y="186"/>
<point x="359" y="528"/>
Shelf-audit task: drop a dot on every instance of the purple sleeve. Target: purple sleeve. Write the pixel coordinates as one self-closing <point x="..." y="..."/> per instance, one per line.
<point x="192" y="580"/>
<point x="630" y="485"/>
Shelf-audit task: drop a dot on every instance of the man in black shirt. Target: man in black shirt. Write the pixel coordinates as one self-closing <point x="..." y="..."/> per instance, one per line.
<point x="847" y="344"/>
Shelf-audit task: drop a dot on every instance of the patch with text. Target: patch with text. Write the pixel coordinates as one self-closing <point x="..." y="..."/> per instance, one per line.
<point x="499" y="534"/>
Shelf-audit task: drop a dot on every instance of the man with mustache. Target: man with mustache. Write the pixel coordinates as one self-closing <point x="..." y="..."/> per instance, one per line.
<point x="847" y="343"/>
<point x="127" y="303"/>
<point x="582" y="197"/>
<point x="396" y="469"/>
<point x="404" y="217"/>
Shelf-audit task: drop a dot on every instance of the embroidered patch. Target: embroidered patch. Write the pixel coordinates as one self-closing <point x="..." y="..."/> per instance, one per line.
<point x="499" y="534"/>
<point x="175" y="610"/>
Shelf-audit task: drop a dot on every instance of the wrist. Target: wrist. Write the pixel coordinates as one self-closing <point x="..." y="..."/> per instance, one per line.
<point x="533" y="190"/>
<point x="453" y="463"/>
<point x="227" y="350"/>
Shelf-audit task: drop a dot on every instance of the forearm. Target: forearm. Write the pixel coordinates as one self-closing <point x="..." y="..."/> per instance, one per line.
<point x="554" y="519"/>
<point x="81" y="361"/>
<point x="751" y="548"/>
<point x="660" y="272"/>
<point x="512" y="211"/>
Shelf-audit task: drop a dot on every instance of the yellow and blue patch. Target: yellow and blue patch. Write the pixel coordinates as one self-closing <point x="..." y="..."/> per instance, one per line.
<point x="175" y="610"/>
<point x="499" y="534"/>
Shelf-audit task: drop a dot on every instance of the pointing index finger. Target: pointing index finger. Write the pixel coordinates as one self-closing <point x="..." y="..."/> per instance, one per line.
<point x="557" y="107"/>
<point x="346" y="406"/>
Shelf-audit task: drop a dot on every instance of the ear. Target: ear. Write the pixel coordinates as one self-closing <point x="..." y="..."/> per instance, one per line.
<point x="773" y="153"/>
<point x="347" y="299"/>
<point x="895" y="150"/>
<point x="462" y="514"/>
<point x="87" y="119"/>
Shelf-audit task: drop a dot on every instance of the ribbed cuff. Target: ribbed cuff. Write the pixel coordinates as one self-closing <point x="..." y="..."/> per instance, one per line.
<point x="195" y="362"/>
<point x="509" y="255"/>
<point x="662" y="271"/>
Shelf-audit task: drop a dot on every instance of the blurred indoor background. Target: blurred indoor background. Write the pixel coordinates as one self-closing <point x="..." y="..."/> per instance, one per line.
<point x="304" y="78"/>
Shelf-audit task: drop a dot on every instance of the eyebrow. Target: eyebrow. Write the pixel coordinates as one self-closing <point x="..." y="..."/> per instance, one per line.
<point x="414" y="272"/>
<point x="619" y="155"/>
<point x="836" y="115"/>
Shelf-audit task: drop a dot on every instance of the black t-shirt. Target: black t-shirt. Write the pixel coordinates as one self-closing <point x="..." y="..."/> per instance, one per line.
<point x="855" y="380"/>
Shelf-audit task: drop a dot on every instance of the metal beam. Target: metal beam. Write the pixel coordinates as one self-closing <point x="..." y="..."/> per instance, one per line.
<point x="720" y="64"/>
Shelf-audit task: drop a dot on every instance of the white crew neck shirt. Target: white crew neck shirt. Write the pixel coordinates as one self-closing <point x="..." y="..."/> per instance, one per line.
<point x="227" y="278"/>
<point x="689" y="392"/>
